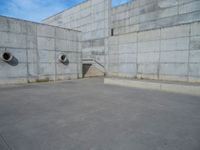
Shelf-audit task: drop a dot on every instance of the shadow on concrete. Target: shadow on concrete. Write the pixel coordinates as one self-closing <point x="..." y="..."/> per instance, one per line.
<point x="66" y="62"/>
<point x="14" y="61"/>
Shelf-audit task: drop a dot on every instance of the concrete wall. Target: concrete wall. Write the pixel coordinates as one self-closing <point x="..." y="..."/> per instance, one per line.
<point x="156" y="39"/>
<point x="36" y="48"/>
<point x="170" y="53"/>
<point x="90" y="17"/>
<point x="140" y="15"/>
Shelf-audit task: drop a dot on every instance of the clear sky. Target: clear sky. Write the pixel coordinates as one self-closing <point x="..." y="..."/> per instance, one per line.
<point x="36" y="10"/>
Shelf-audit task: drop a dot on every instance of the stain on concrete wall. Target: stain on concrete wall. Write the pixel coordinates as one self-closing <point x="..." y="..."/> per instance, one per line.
<point x="36" y="48"/>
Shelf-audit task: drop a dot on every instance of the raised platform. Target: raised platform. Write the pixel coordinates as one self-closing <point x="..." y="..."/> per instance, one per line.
<point x="176" y="87"/>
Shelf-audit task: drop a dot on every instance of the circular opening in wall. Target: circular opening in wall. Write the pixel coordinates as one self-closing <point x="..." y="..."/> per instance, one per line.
<point x="63" y="58"/>
<point x="6" y="56"/>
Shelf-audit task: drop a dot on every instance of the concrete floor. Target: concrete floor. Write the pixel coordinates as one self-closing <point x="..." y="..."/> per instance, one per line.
<point x="87" y="115"/>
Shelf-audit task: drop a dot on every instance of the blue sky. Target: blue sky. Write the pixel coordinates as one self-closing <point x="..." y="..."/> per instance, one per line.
<point x="36" y="10"/>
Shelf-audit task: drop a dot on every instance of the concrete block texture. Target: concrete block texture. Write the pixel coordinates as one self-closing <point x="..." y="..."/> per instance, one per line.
<point x="34" y="48"/>
<point x="151" y="38"/>
<point x="154" y="14"/>
<point x="92" y="18"/>
<point x="170" y="53"/>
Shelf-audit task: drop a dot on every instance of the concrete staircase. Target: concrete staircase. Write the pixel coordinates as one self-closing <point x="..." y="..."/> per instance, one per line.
<point x="92" y="68"/>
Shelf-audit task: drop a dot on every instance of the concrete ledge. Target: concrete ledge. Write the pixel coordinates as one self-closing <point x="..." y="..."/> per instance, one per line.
<point x="184" y="88"/>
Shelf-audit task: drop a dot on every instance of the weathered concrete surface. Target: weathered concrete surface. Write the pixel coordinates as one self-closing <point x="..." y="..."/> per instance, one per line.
<point x="168" y="53"/>
<point x="88" y="115"/>
<point x="36" y="48"/>
<point x="176" y="87"/>
<point x="92" y="18"/>
<point x="152" y="39"/>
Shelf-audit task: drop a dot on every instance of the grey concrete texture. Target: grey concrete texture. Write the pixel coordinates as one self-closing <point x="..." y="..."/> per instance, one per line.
<point x="169" y="53"/>
<point x="36" y="48"/>
<point x="151" y="14"/>
<point x="88" y="115"/>
<point x="154" y="39"/>
<point x="90" y="17"/>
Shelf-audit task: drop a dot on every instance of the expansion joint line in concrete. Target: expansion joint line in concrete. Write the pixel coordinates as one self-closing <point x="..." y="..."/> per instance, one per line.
<point x="55" y="65"/>
<point x="189" y="49"/>
<point x="27" y="64"/>
<point x="159" y="61"/>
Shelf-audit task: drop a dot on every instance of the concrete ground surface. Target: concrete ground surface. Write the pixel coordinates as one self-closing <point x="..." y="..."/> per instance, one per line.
<point x="88" y="115"/>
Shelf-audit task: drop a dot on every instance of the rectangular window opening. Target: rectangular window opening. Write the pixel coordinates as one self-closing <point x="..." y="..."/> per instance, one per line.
<point x="112" y="32"/>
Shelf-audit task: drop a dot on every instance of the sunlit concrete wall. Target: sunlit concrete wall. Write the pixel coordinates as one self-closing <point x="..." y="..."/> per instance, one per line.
<point x="36" y="48"/>
<point x="90" y="17"/>
<point x="156" y="39"/>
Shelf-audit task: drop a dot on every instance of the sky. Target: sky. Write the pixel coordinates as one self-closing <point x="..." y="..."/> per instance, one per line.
<point x="37" y="10"/>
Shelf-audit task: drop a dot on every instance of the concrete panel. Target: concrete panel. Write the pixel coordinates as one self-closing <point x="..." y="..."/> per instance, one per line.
<point x="128" y="68"/>
<point x="128" y="48"/>
<point x="46" y="69"/>
<point x="178" y="69"/>
<point x="46" y="56"/>
<point x="128" y="38"/>
<point x="16" y="26"/>
<point x="31" y="42"/>
<point x="127" y="58"/>
<point x="4" y="39"/>
<point x="175" y="44"/>
<point x="194" y="70"/>
<point x="148" y="57"/>
<point x="195" y="43"/>
<point x="32" y="55"/>
<point x="174" y="56"/>
<point x="45" y="31"/>
<point x="63" y="69"/>
<point x="46" y="43"/>
<point x="60" y="33"/>
<point x="16" y="40"/>
<point x="148" y="68"/>
<point x="33" y="70"/>
<point x="114" y="58"/>
<point x="194" y="56"/>
<point x="195" y="29"/>
<point x="4" y="24"/>
<point x="189" y="7"/>
<point x="31" y="28"/>
<point x="113" y="68"/>
<point x="61" y="45"/>
<point x="8" y="71"/>
<point x="150" y="46"/>
<point x="149" y="35"/>
<point x="175" y="32"/>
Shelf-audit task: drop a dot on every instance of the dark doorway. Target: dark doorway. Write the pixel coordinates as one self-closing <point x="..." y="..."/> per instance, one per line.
<point x="86" y="68"/>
